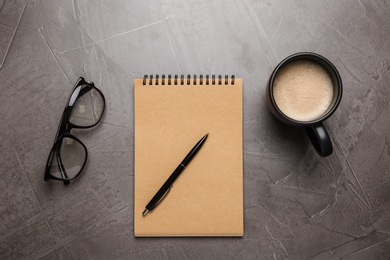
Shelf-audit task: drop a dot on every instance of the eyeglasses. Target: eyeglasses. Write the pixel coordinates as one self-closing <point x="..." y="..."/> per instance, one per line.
<point x="68" y="156"/>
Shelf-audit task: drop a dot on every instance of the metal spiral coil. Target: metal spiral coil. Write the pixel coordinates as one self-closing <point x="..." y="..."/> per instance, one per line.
<point x="150" y="80"/>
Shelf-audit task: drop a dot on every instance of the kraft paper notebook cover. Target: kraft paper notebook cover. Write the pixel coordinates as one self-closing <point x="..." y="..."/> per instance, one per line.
<point x="171" y="115"/>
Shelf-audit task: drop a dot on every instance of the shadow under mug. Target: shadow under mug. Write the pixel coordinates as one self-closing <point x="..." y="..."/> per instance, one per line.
<point x="315" y="129"/>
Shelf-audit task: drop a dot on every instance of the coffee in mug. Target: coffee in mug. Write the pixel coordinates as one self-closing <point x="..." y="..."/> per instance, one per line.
<point x="304" y="90"/>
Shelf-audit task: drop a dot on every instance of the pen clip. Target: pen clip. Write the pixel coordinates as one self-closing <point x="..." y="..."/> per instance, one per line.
<point x="162" y="198"/>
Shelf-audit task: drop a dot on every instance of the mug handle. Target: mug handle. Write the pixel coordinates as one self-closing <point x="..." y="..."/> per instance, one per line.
<point x="320" y="139"/>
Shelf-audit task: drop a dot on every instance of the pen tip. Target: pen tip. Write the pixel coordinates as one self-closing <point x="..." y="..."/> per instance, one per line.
<point x="145" y="212"/>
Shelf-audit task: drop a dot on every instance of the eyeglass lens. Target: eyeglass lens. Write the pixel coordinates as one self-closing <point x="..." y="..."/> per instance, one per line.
<point x="68" y="155"/>
<point x="88" y="108"/>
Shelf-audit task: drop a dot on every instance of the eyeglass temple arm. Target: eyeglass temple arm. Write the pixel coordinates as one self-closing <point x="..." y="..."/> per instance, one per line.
<point x="57" y="148"/>
<point x="59" y="162"/>
<point x="84" y="90"/>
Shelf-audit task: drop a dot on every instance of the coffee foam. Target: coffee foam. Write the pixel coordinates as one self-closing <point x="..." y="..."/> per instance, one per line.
<point x="303" y="90"/>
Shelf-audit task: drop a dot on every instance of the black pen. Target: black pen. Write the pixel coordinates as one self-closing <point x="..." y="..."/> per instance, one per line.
<point x="163" y="191"/>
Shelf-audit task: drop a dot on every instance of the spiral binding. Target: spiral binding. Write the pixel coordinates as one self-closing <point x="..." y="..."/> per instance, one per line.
<point x="187" y="80"/>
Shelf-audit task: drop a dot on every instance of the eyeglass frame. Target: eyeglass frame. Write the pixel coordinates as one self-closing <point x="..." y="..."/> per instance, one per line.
<point x="64" y="129"/>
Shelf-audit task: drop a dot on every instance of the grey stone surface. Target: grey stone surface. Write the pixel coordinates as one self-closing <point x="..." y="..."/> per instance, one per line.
<point x="297" y="205"/>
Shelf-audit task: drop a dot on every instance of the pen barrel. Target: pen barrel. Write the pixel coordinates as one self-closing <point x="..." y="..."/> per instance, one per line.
<point x="164" y="189"/>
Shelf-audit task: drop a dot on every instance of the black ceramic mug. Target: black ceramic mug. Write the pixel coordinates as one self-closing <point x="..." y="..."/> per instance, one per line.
<point x="304" y="90"/>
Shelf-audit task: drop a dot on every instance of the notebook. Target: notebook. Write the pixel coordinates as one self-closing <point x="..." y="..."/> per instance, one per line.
<point x="171" y="115"/>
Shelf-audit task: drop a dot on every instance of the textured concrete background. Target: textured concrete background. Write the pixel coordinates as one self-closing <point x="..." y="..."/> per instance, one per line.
<point x="297" y="205"/>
